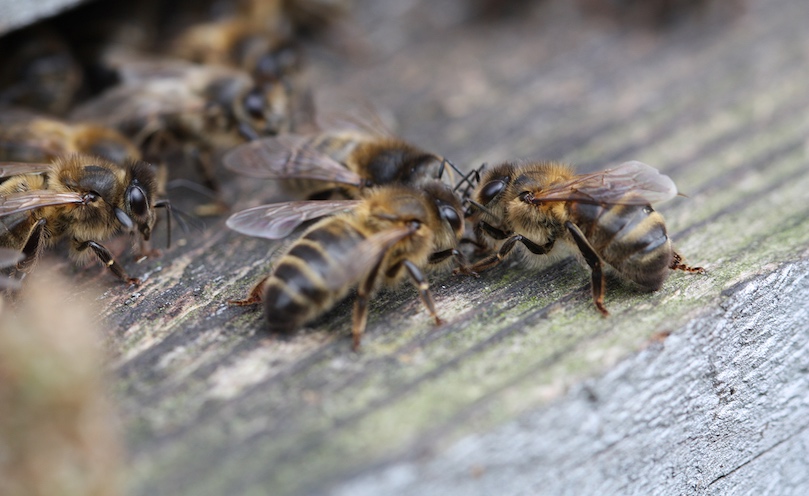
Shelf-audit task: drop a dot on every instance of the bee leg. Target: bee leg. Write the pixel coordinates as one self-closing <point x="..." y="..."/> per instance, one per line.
<point x="678" y="264"/>
<point x="32" y="248"/>
<point x="496" y="258"/>
<point x="460" y="258"/>
<point x="595" y="263"/>
<point x="255" y="297"/>
<point x="107" y="259"/>
<point x="475" y="243"/>
<point x="360" y="318"/>
<point x="491" y="231"/>
<point x="205" y="167"/>
<point x="424" y="289"/>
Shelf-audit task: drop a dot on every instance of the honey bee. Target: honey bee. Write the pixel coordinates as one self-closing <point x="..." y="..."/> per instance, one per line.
<point x="345" y="160"/>
<point x="80" y="198"/>
<point x="604" y="218"/>
<point x="170" y="107"/>
<point x="39" y="70"/>
<point x="392" y="232"/>
<point x="29" y="137"/>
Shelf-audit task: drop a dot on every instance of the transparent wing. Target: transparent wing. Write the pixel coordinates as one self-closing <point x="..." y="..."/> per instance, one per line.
<point x="356" y="263"/>
<point x="135" y="69"/>
<point x="278" y="220"/>
<point x="125" y="104"/>
<point x="631" y="183"/>
<point x="8" y="169"/>
<point x="29" y="200"/>
<point x="362" y="118"/>
<point x="287" y="157"/>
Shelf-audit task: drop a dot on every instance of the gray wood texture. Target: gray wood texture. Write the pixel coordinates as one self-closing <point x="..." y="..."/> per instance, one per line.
<point x="700" y="387"/>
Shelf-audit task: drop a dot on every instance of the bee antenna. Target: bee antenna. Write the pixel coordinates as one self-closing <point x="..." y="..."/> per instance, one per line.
<point x="192" y="186"/>
<point x="480" y="207"/>
<point x="446" y="161"/>
<point x="470" y="179"/>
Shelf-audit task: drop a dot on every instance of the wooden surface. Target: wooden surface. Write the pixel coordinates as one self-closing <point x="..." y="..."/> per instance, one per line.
<point x="700" y="387"/>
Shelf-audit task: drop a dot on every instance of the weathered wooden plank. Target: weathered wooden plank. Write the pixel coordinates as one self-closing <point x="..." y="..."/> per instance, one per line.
<point x="213" y="405"/>
<point x="719" y="407"/>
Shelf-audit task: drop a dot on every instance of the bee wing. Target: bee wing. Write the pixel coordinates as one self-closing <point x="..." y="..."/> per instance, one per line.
<point x="287" y="157"/>
<point x="135" y="103"/>
<point x="357" y="262"/>
<point x="362" y="117"/>
<point x="631" y="183"/>
<point x="28" y="200"/>
<point x="133" y="69"/>
<point x="8" y="169"/>
<point x="278" y="220"/>
<point x="137" y="69"/>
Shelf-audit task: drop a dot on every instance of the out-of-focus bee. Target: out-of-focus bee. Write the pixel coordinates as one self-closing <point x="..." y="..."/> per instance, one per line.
<point x="393" y="231"/>
<point x="58" y="427"/>
<point x="39" y="70"/>
<point x="242" y="43"/>
<point x="29" y="137"/>
<point x="171" y="107"/>
<point x="604" y="217"/>
<point x="344" y="160"/>
<point x="80" y="198"/>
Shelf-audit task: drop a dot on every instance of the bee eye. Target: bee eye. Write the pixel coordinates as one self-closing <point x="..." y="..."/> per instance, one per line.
<point x="136" y="199"/>
<point x="450" y="215"/>
<point x="491" y="190"/>
<point x="254" y="104"/>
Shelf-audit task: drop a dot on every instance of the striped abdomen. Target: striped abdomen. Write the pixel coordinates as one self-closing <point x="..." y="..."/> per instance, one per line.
<point x="297" y="291"/>
<point x="631" y="238"/>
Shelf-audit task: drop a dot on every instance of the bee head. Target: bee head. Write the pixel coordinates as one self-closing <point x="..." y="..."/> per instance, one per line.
<point x="138" y="208"/>
<point x="261" y="110"/>
<point x="447" y="205"/>
<point x="274" y="64"/>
